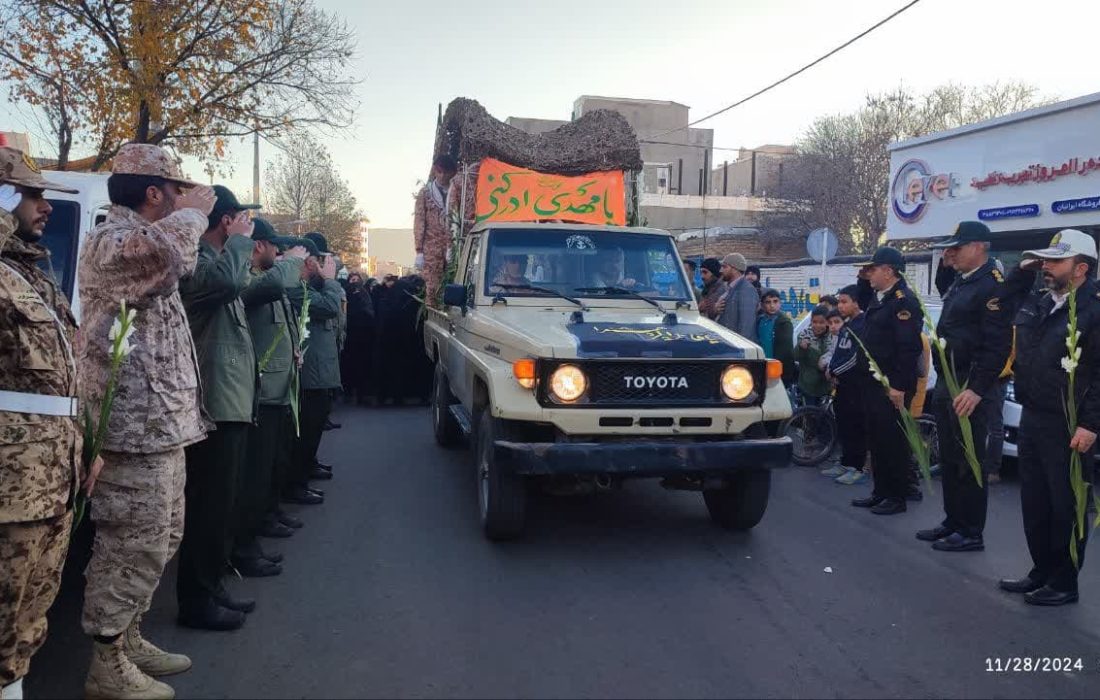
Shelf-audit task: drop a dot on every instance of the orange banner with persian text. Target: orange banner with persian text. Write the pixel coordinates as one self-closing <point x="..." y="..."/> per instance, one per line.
<point x="509" y="193"/>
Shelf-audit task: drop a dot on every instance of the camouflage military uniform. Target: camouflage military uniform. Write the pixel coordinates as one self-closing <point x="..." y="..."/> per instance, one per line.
<point x="138" y="505"/>
<point x="432" y="236"/>
<point x="38" y="458"/>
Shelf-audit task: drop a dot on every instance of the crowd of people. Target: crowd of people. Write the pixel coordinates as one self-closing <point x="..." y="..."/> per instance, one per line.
<point x="993" y="327"/>
<point x="237" y="339"/>
<point x="216" y="386"/>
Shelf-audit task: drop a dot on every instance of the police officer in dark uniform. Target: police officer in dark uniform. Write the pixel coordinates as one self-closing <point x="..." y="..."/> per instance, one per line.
<point x="1046" y="441"/>
<point x="891" y="335"/>
<point x="977" y="328"/>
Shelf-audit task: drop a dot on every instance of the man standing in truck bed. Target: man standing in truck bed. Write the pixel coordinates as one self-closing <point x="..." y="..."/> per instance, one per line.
<point x="431" y="228"/>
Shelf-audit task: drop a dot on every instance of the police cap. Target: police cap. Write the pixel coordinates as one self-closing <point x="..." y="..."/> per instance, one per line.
<point x="967" y="232"/>
<point x="886" y="255"/>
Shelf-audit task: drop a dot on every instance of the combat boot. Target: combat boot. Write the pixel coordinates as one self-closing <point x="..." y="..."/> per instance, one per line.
<point x="151" y="660"/>
<point x="112" y="676"/>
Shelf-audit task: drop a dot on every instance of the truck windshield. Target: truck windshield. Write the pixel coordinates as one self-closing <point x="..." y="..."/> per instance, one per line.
<point x="569" y="260"/>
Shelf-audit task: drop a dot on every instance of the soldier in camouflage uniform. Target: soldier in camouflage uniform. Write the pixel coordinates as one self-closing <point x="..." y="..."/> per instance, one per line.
<point x="39" y="436"/>
<point x="431" y="227"/>
<point x="149" y="240"/>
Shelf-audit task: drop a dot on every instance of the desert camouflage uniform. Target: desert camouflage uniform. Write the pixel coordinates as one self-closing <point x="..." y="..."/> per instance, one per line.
<point x="38" y="458"/>
<point x="432" y="236"/>
<point x="138" y="504"/>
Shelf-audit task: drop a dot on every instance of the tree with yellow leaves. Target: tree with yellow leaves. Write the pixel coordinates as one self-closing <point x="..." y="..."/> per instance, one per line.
<point x="187" y="74"/>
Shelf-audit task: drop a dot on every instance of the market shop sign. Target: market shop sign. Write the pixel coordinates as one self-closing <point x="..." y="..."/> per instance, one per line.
<point x="1037" y="173"/>
<point x="510" y="193"/>
<point x="916" y="185"/>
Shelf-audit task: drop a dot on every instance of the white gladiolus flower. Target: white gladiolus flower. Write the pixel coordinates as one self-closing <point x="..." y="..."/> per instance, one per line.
<point x="943" y="343"/>
<point x="1069" y="365"/>
<point x="116" y="329"/>
<point x="125" y="348"/>
<point x="1077" y="355"/>
<point x="305" y="334"/>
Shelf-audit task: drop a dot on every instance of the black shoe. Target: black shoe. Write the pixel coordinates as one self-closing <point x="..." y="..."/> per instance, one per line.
<point x="1050" y="597"/>
<point x="889" y="506"/>
<point x="209" y="615"/>
<point x="320" y="474"/>
<point x="257" y="568"/>
<point x="869" y="502"/>
<point x="273" y="557"/>
<point x="317" y="492"/>
<point x="275" y="530"/>
<point x="322" y="465"/>
<point x="244" y="605"/>
<point x="329" y="425"/>
<point x="936" y="533"/>
<point x="1020" y="585"/>
<point x="957" y="542"/>
<point x="914" y="494"/>
<point x="289" y="520"/>
<point x="302" y="497"/>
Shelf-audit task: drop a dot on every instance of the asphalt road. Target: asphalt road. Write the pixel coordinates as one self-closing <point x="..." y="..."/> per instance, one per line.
<point x="390" y="591"/>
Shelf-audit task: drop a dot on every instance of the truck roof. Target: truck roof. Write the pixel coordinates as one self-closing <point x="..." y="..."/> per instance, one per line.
<point x="590" y="228"/>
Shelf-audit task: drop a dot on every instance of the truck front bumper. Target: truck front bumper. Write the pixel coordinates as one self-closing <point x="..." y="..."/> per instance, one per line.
<point x="642" y="458"/>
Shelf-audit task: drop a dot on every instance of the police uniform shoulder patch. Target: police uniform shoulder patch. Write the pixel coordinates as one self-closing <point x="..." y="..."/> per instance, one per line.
<point x="993" y="304"/>
<point x="904" y="315"/>
<point x="899" y="294"/>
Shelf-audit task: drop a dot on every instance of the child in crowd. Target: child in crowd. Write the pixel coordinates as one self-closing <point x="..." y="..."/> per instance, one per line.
<point x="848" y="369"/>
<point x="813" y="343"/>
<point x="836" y="322"/>
<point x="776" y="334"/>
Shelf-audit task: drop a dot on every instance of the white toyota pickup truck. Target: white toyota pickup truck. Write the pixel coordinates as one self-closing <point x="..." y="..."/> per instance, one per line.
<point x="574" y="357"/>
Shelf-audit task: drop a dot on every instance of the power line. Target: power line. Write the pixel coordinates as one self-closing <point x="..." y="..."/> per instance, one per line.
<point x="801" y="70"/>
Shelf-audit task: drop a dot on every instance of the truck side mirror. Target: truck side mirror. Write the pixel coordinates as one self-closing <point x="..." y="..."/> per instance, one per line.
<point x="454" y="295"/>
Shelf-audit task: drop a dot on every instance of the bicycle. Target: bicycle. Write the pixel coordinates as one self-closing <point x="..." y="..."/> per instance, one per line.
<point x="813" y="430"/>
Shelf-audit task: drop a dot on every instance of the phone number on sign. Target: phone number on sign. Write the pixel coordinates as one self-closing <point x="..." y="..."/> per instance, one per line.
<point x="1034" y="664"/>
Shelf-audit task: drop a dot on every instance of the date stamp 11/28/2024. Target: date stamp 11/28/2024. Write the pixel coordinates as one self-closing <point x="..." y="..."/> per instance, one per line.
<point x="1040" y="664"/>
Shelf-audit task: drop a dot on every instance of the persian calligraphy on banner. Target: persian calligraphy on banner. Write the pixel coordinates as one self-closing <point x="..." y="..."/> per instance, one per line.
<point x="509" y="193"/>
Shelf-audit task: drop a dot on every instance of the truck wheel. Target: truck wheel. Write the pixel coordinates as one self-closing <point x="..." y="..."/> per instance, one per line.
<point x="741" y="504"/>
<point x="501" y="495"/>
<point x="448" y="433"/>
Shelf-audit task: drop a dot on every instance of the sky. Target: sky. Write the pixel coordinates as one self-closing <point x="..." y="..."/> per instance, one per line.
<point x="533" y="59"/>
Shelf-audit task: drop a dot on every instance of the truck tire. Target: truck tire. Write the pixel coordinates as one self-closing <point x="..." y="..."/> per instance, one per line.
<point x="501" y="495"/>
<point x="448" y="433"/>
<point x="740" y="505"/>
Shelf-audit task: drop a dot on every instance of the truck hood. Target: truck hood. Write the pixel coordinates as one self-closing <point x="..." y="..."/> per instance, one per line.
<point x="616" y="332"/>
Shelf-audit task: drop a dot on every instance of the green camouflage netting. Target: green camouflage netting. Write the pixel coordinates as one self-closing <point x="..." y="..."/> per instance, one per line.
<point x="599" y="140"/>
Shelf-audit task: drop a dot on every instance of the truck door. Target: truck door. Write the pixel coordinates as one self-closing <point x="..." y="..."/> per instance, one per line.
<point x="457" y="371"/>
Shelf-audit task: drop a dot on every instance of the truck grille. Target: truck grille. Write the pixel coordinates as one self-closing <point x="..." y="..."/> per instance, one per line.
<point x="654" y="384"/>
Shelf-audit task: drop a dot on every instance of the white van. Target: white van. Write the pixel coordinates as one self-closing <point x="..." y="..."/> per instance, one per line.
<point x="73" y="216"/>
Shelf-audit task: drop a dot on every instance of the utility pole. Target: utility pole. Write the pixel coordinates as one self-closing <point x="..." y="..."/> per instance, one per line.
<point x="256" y="167"/>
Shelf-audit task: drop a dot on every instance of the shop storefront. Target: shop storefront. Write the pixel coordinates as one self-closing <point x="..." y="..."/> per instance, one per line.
<point x="1026" y="175"/>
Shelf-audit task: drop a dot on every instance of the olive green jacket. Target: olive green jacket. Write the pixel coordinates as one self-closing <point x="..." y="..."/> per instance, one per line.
<point x="321" y="369"/>
<point x="274" y="327"/>
<point x="227" y="363"/>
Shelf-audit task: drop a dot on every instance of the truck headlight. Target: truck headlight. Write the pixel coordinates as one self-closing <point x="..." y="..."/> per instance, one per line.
<point x="568" y="383"/>
<point x="737" y="383"/>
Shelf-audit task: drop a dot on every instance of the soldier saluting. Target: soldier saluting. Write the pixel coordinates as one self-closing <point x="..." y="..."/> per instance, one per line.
<point x="1042" y="383"/>
<point x="978" y="330"/>
<point x="891" y="335"/>
<point x="39" y="437"/>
